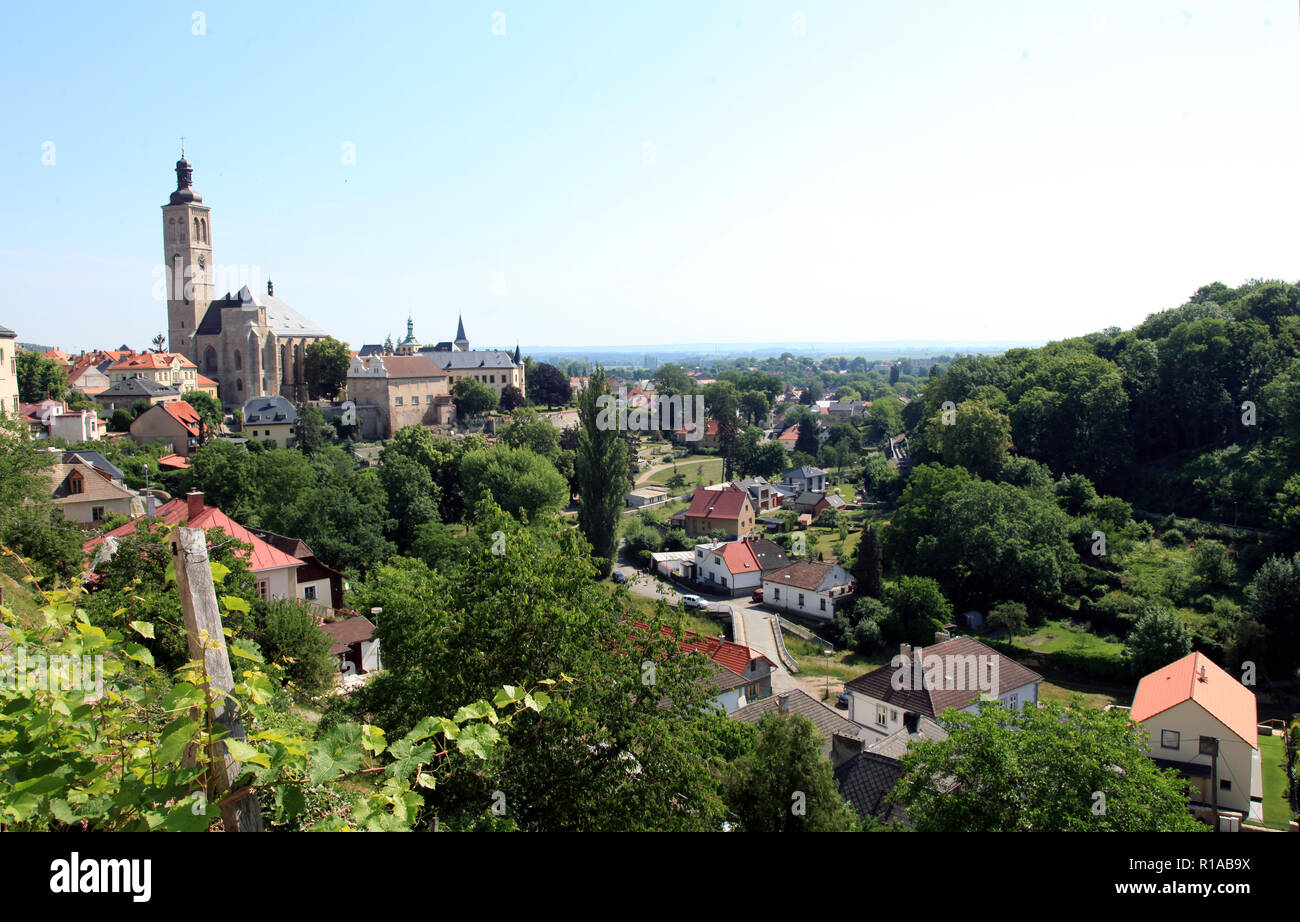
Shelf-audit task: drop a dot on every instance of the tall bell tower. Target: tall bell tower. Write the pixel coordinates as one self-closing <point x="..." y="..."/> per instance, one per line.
<point x="187" y="254"/>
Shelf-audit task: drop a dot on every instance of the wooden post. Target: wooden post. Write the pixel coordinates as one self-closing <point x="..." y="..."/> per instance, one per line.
<point x="189" y="547"/>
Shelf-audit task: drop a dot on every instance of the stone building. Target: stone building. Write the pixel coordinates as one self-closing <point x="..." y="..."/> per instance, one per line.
<point x="393" y="391"/>
<point x="250" y="343"/>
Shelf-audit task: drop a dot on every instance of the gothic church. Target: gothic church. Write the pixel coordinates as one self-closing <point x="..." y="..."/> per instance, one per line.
<point x="252" y="344"/>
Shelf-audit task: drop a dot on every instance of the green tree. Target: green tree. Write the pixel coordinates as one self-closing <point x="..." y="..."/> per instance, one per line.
<point x="39" y="378"/>
<point x="313" y="433"/>
<point x="325" y="366"/>
<point x="785" y="783"/>
<point x="512" y="398"/>
<point x="289" y="633"/>
<point x="548" y="385"/>
<point x="522" y="482"/>
<point x="1158" y="637"/>
<point x="867" y="565"/>
<point x="978" y="440"/>
<point x="472" y="398"/>
<point x="1040" y="769"/>
<point x="1010" y="615"/>
<point x="919" y="609"/>
<point x="601" y="471"/>
<point x="412" y="497"/>
<point x="1273" y="602"/>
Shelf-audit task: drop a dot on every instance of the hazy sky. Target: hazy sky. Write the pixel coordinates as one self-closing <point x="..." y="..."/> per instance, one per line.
<point x="681" y="172"/>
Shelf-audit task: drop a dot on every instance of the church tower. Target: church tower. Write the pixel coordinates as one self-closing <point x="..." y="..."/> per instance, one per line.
<point x="187" y="255"/>
<point x="461" y="340"/>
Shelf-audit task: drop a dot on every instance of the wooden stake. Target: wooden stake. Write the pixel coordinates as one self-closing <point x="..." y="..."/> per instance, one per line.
<point x="189" y="548"/>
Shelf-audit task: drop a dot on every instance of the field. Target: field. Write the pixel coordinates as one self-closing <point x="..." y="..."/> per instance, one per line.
<point x="697" y="469"/>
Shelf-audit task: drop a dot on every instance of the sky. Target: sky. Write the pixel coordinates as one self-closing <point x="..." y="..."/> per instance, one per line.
<point x="601" y="174"/>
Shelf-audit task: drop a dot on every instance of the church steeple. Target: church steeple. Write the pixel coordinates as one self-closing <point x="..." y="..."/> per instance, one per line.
<point x="187" y="256"/>
<point x="462" y="341"/>
<point x="518" y="360"/>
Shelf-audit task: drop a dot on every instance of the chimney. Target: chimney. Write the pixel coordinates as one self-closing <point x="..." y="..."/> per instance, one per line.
<point x="153" y="506"/>
<point x="1204" y="678"/>
<point x="905" y="650"/>
<point x="941" y="636"/>
<point x="783" y="703"/>
<point x="194" y="503"/>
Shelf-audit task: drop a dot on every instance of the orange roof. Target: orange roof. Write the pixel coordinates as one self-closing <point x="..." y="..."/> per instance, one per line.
<point x="184" y="414"/>
<point x="262" y="557"/>
<point x="1222" y="696"/>
<point x="175" y="462"/>
<point x="727" y="503"/>
<point x="205" y="381"/>
<point x="154" y="360"/>
<point x="734" y="657"/>
<point x="789" y="435"/>
<point x="738" y="556"/>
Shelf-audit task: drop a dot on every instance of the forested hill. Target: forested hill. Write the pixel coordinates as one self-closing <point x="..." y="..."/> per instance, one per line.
<point x="1194" y="411"/>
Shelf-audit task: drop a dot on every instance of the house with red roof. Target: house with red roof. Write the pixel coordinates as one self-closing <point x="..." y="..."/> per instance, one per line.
<point x="741" y="674"/>
<point x="276" y="571"/>
<point x="728" y="567"/>
<point x="727" y="510"/>
<point x="1202" y="722"/>
<point x="176" y="423"/>
<point x="789" y="437"/>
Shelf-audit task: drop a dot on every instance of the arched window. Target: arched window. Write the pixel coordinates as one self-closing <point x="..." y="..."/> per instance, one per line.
<point x="210" y="360"/>
<point x="204" y="224"/>
<point x="197" y="236"/>
<point x="239" y="361"/>
<point x="171" y="230"/>
<point x="239" y="384"/>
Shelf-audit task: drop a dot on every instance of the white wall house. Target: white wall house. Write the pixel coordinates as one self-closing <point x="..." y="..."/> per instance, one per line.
<point x="1184" y="708"/>
<point x="956" y="673"/>
<point x="729" y="565"/>
<point x="808" y="587"/>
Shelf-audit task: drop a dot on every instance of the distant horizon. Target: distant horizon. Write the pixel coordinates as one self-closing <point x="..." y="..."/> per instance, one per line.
<point x="734" y="169"/>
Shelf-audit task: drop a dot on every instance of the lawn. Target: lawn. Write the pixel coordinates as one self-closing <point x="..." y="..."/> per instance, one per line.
<point x="697" y="469"/>
<point x="1063" y="636"/>
<point x="1272" y="756"/>
<point x="823" y="540"/>
<point x="1064" y="694"/>
<point x="645" y="607"/>
<point x="843" y="664"/>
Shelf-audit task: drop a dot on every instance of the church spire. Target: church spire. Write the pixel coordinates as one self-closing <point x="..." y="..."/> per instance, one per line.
<point x="518" y="359"/>
<point x="461" y="339"/>
<point x="184" y="182"/>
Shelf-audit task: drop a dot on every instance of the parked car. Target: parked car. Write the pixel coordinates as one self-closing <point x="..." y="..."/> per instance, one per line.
<point x="843" y="700"/>
<point x="756" y="595"/>
<point x="693" y="601"/>
<point x="618" y="577"/>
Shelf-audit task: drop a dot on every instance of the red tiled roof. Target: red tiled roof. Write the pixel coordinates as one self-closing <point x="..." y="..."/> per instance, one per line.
<point x="734" y="657"/>
<point x="175" y="462"/>
<point x="205" y="381"/>
<point x="152" y="360"/>
<point x="262" y="557"/>
<point x="718" y="504"/>
<point x="789" y="435"/>
<point x="184" y="414"/>
<point x="738" y="556"/>
<point x="1222" y="696"/>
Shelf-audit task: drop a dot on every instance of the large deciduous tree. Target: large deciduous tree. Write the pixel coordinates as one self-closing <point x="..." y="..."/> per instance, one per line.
<point x="325" y="366"/>
<point x="548" y="385"/>
<point x="1040" y="769"/>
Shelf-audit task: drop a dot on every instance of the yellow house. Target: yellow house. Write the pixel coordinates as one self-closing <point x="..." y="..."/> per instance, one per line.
<point x="273" y="420"/>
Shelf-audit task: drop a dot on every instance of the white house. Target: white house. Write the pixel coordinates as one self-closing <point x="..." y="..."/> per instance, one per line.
<point x="806" y="479"/>
<point x="954" y="673"/>
<point x="729" y="565"/>
<point x="808" y="587"/>
<point x="1189" y="709"/>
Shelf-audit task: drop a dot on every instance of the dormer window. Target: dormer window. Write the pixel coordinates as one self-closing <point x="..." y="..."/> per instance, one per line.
<point x="75" y="483"/>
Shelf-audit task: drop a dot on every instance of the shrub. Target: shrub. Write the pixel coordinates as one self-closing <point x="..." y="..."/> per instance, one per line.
<point x="288" y="633"/>
<point x="1173" y="538"/>
<point x="867" y="636"/>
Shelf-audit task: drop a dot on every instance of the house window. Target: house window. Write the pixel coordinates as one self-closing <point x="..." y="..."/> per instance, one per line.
<point x="264" y="588"/>
<point x="1207" y="745"/>
<point x="309" y="593"/>
<point x="1169" y="739"/>
<point x="74" y="484"/>
<point x="893" y="716"/>
<point x="776" y="592"/>
<point x="823" y="601"/>
<point x="1012" y="700"/>
<point x="1225" y="784"/>
<point x="882" y="716"/>
<point x="397" y="401"/>
<point x="801" y="600"/>
<point x="96" y="513"/>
